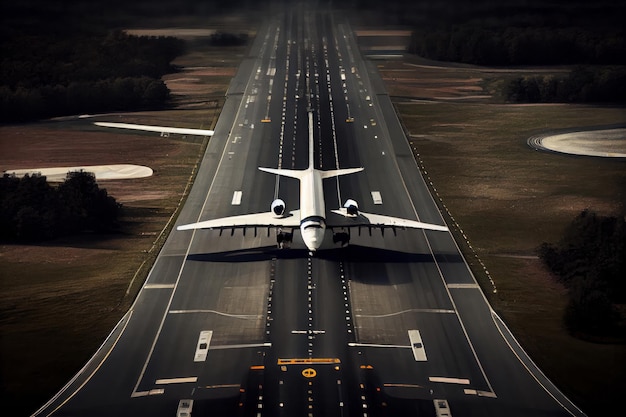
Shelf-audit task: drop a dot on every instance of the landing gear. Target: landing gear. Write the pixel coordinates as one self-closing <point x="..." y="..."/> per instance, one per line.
<point x="342" y="238"/>
<point x="283" y="239"/>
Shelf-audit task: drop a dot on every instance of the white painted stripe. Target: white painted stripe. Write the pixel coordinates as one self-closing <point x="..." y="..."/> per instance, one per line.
<point x="419" y="353"/>
<point x="202" y="348"/>
<point x="236" y="316"/>
<point x="414" y="310"/>
<point x="158" y="286"/>
<point x="158" y="129"/>
<point x="463" y="286"/>
<point x="167" y="381"/>
<point x="376" y="197"/>
<point x="236" y="198"/>
<point x="478" y="393"/>
<point x="157" y="391"/>
<point x="243" y="346"/>
<point x="446" y="380"/>
<point x="378" y="345"/>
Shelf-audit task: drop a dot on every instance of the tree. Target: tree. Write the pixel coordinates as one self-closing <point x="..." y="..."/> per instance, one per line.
<point x="33" y="210"/>
<point x="590" y="260"/>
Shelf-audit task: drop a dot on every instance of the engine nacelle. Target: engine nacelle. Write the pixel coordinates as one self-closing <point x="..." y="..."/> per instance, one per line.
<point x="352" y="207"/>
<point x="278" y="208"/>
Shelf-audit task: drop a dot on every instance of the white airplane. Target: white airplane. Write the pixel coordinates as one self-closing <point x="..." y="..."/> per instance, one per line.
<point x="311" y="217"/>
<point x="163" y="130"/>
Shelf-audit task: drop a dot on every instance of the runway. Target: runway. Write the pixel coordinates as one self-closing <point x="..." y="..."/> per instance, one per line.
<point x="395" y="324"/>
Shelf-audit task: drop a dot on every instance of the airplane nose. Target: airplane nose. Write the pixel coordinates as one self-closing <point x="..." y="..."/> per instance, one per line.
<point x="313" y="238"/>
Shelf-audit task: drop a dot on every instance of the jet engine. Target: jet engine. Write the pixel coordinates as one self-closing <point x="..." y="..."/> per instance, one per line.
<point x="352" y="208"/>
<point x="278" y="208"/>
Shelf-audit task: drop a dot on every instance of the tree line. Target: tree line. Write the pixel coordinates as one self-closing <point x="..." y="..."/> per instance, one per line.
<point x="45" y="76"/>
<point x="32" y="210"/>
<point x="583" y="84"/>
<point x="501" y="46"/>
<point x="590" y="260"/>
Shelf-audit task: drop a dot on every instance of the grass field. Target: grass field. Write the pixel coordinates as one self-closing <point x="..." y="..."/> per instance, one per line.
<point x="61" y="298"/>
<point x="507" y="199"/>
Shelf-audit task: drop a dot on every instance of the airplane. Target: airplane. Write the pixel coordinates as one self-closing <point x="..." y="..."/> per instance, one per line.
<point x="311" y="217"/>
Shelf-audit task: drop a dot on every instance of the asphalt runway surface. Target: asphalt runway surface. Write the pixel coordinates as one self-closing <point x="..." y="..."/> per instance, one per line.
<point x="226" y="325"/>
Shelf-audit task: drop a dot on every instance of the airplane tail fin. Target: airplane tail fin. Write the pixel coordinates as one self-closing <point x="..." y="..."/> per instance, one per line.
<point x="299" y="174"/>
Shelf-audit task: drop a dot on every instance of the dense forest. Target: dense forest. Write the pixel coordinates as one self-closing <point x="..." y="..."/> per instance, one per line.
<point x="62" y="58"/>
<point x="482" y="44"/>
<point x="590" y="36"/>
<point x="590" y="260"/>
<point x="584" y="84"/>
<point x="32" y="210"/>
<point x="43" y="76"/>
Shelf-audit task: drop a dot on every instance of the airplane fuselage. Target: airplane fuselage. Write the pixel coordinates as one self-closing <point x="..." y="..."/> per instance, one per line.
<point x="312" y="209"/>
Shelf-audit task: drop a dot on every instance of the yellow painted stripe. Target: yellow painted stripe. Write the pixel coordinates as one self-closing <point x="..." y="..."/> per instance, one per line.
<point x="308" y="361"/>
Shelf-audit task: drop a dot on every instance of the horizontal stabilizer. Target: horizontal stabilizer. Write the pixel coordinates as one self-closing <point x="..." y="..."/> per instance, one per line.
<point x="377" y="220"/>
<point x="337" y="172"/>
<point x="291" y="173"/>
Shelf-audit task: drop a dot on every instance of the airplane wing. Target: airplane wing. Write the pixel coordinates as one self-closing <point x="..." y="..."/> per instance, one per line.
<point x="378" y="221"/>
<point x="247" y="220"/>
<point x="158" y="129"/>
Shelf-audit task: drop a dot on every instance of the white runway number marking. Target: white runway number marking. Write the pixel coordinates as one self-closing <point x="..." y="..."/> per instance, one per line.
<point x="202" y="348"/>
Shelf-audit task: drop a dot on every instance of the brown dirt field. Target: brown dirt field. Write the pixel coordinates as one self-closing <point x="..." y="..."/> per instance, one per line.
<point x="69" y="293"/>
